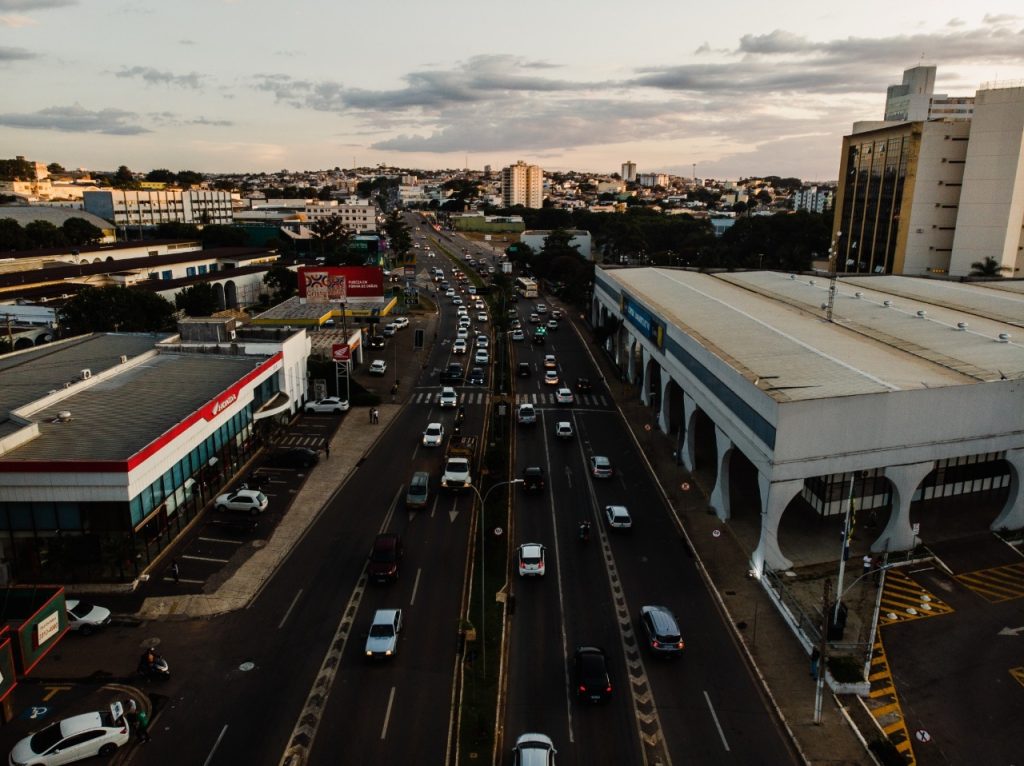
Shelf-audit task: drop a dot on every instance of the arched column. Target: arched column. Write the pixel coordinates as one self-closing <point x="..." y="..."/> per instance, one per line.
<point x="775" y="498"/>
<point x="905" y="479"/>
<point x="719" y="500"/>
<point x="687" y="434"/>
<point x="645" y="359"/>
<point x="630" y="358"/>
<point x="1012" y="515"/>
<point x="663" y="423"/>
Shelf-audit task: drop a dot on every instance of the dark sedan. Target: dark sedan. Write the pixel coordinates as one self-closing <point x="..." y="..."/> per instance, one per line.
<point x="590" y="671"/>
<point x="296" y="457"/>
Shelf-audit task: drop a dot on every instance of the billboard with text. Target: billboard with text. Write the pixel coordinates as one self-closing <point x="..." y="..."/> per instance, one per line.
<point x="351" y="285"/>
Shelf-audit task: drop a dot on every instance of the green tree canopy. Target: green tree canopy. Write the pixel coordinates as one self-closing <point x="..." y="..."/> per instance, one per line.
<point x="44" y="234"/>
<point x="12" y="236"/>
<point x="399" y="238"/>
<point x="223" y="235"/>
<point x="79" y="232"/>
<point x="282" y="281"/>
<point x="989" y="267"/>
<point x="123" y="178"/>
<point x="199" y="300"/>
<point x="160" y="175"/>
<point x="332" y="239"/>
<point x="188" y="178"/>
<point x="17" y="170"/>
<point x="55" y="167"/>
<point x="113" y="309"/>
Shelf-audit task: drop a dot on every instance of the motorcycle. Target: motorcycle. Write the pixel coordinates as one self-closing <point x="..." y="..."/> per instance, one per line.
<point x="153" y="666"/>
<point x="584" y="531"/>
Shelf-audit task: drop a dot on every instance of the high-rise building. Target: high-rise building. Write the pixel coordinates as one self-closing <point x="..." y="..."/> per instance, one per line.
<point x="813" y="198"/>
<point x="522" y="184"/>
<point x="934" y="196"/>
<point x="914" y="99"/>
<point x="629" y="171"/>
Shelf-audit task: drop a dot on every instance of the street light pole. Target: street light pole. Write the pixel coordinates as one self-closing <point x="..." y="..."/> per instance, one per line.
<point x="483" y="561"/>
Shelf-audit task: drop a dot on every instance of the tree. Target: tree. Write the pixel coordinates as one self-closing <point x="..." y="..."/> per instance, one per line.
<point x="333" y="238"/>
<point x="12" y="236"/>
<point x="116" y="309"/>
<point x="989" y="267"/>
<point x="177" y="230"/>
<point x="55" y="168"/>
<point x="399" y="238"/>
<point x="79" y="232"/>
<point x="223" y="235"/>
<point x="199" y="300"/>
<point x="16" y="170"/>
<point x="123" y="178"/>
<point x="160" y="175"/>
<point x="282" y="281"/>
<point x="43" y="234"/>
<point x="189" y="178"/>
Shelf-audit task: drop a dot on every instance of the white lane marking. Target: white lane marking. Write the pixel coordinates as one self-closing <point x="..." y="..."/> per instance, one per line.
<point x="289" y="610"/>
<point x="205" y="558"/>
<point x="717" y="724"/>
<point x="216" y="744"/>
<point x="415" y="586"/>
<point x="219" y="540"/>
<point x="168" y="578"/>
<point x="387" y="714"/>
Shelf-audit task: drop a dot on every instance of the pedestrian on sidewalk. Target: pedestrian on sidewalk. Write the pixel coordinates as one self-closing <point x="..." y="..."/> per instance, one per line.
<point x="867" y="561"/>
<point x="175" y="571"/>
<point x="327" y="450"/>
<point x="142" y="727"/>
<point x="815" y="658"/>
<point x="372" y="412"/>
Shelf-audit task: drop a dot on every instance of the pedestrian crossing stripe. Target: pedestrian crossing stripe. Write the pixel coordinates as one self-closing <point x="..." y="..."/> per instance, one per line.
<point x="903" y="600"/>
<point x="996" y="584"/>
<point x="884" y="704"/>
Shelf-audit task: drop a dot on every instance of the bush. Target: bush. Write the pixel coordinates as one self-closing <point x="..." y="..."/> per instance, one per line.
<point x="846" y="670"/>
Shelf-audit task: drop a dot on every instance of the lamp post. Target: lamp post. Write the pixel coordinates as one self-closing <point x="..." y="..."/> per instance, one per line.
<point x="483" y="564"/>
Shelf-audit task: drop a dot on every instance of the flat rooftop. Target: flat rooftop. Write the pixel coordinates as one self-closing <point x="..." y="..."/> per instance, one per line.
<point x="771" y="328"/>
<point x="116" y="418"/>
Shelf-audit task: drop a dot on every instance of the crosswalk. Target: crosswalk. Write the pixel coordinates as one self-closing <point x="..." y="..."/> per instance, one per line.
<point x="480" y="397"/>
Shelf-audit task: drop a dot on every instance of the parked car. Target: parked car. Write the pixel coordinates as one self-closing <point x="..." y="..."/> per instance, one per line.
<point x="433" y="435"/>
<point x="531" y="560"/>
<point x="600" y="467"/>
<point x="533" y="478"/>
<point x="533" y="749"/>
<point x="333" y="405"/>
<point x="563" y="429"/>
<point x="389" y="329"/>
<point x="294" y="457"/>
<point x="618" y="517"/>
<point x="448" y="399"/>
<point x="378" y="367"/>
<point x="243" y="500"/>
<point x="375" y="341"/>
<point x="590" y="672"/>
<point x="385" y="556"/>
<point x="382" y="640"/>
<point x="85" y="618"/>
<point x="526" y="414"/>
<point x="662" y="631"/>
<point x="401" y="322"/>
<point x="72" y="739"/>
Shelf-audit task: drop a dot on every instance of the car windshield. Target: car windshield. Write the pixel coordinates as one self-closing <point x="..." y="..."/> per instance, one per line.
<point x="46" y="738"/>
<point x="388" y="554"/>
<point x="381" y="631"/>
<point x="531" y="559"/>
<point x="81" y="609"/>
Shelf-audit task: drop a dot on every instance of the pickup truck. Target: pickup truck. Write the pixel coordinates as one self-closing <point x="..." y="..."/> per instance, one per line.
<point x="457" y="463"/>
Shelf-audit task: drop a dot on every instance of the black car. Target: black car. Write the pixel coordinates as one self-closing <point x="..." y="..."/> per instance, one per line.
<point x="583" y="385"/>
<point x="375" y="341"/>
<point x="524" y="371"/>
<point x="295" y="457"/>
<point x="452" y="374"/>
<point x="533" y="478"/>
<point x="538" y="338"/>
<point x="476" y="377"/>
<point x="590" y="672"/>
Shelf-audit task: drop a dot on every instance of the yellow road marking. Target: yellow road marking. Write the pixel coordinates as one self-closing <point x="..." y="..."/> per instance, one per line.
<point x="997" y="584"/>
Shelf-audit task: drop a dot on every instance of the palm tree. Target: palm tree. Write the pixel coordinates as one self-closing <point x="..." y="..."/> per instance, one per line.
<point x="989" y="267"/>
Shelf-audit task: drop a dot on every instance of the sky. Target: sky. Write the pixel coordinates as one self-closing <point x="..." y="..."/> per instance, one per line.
<point x="723" y="89"/>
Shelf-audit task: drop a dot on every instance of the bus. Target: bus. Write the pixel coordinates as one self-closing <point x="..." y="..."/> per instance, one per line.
<point x="526" y="287"/>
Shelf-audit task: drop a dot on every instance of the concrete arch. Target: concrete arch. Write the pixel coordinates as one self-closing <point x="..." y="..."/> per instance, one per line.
<point x="23" y="342"/>
<point x="221" y="289"/>
<point x="672" y="406"/>
<point x="1012" y="515"/>
<point x="651" y="392"/>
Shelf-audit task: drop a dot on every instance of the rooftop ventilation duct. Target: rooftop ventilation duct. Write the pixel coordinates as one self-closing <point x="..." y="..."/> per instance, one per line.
<point x="1004" y="337"/>
<point x="887" y="304"/>
<point x="64" y="416"/>
<point x="961" y="325"/>
<point x="922" y="313"/>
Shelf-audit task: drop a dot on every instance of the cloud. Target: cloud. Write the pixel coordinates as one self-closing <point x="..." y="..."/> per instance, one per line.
<point x="213" y="123"/>
<point x="76" y="119"/>
<point x="1000" y="18"/>
<point x="186" y="42"/>
<point x="15" y="21"/>
<point x="15" y="54"/>
<point x="34" y="5"/>
<point x="956" y="22"/>
<point x="152" y="76"/>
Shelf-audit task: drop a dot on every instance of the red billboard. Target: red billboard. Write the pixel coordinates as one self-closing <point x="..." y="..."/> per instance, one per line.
<point x="341" y="284"/>
<point x="340" y="352"/>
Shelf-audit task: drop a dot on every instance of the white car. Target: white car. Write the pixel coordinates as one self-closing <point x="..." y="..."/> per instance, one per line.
<point x="244" y="500"/>
<point x="563" y="429"/>
<point x="481" y="341"/>
<point x="526" y="414"/>
<point x="449" y="293"/>
<point x="378" y="367"/>
<point x="542" y="309"/>
<point x="534" y="749"/>
<point x="481" y="317"/>
<point x="84" y="617"/>
<point x="618" y="517"/>
<point x="382" y="640"/>
<point x="462" y="311"/>
<point x="433" y="435"/>
<point x="480" y="306"/>
<point x="332" y="404"/>
<point x="564" y="396"/>
<point x="389" y="330"/>
<point x="481" y="356"/>
<point x="459" y="346"/>
<point x="551" y="377"/>
<point x="73" y="739"/>
<point x="448" y="399"/>
<point x="531" y="560"/>
<point x="462" y="333"/>
<point x="518" y="335"/>
<point x="401" y="322"/>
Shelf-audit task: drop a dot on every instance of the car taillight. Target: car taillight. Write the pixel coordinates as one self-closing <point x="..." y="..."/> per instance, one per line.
<point x="679" y="645"/>
<point x="583" y="689"/>
<point x="656" y="644"/>
<point x="608" y="689"/>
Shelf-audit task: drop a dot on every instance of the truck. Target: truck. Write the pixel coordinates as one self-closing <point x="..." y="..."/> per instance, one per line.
<point x="458" y="458"/>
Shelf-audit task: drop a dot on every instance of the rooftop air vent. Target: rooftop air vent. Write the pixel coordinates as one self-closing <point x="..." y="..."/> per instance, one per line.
<point x="858" y="294"/>
<point x="124" y="359"/>
<point x="922" y="313"/>
<point x="64" y="416"/>
<point x="85" y="374"/>
<point x="961" y="325"/>
<point x="887" y="304"/>
<point x="1004" y="337"/>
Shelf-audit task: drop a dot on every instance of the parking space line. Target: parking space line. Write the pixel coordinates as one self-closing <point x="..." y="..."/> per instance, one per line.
<point x="169" y="578"/>
<point x="205" y="558"/>
<point x="219" y="540"/>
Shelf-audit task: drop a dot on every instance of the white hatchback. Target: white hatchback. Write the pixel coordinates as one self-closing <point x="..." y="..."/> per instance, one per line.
<point x="531" y="560"/>
<point x="448" y="399"/>
<point x="433" y="435"/>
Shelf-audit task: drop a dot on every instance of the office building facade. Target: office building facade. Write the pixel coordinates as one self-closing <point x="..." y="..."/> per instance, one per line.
<point x="127" y="209"/>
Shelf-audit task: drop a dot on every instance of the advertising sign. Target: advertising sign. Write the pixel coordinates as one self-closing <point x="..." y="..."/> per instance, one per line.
<point x="340" y="352"/>
<point x="649" y="326"/>
<point x="352" y="285"/>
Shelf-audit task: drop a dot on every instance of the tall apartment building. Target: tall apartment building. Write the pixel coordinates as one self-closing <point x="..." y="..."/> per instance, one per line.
<point x="914" y="99"/>
<point x="934" y="196"/>
<point x="358" y="215"/>
<point x="652" y="179"/>
<point x="522" y="184"/>
<point x="127" y="209"/>
<point x="629" y="171"/>
<point x="813" y="198"/>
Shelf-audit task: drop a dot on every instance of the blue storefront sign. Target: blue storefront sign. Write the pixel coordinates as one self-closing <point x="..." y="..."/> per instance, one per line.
<point x="643" y="320"/>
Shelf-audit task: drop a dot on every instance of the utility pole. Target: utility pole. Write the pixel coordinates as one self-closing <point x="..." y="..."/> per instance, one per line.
<point x="833" y="257"/>
<point x="819" y="686"/>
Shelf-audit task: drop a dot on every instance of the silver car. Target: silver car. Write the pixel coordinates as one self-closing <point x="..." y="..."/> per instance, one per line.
<point x="382" y="640"/>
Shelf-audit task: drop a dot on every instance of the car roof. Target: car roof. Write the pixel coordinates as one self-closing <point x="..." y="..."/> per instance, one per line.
<point x="618" y="510"/>
<point x="600" y="459"/>
<point x="531" y="548"/>
<point x="385" y="616"/>
<point x="76" y="724"/>
<point x="662" y="617"/>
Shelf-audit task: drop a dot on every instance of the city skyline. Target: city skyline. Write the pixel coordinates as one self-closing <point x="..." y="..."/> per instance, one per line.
<point x="236" y="86"/>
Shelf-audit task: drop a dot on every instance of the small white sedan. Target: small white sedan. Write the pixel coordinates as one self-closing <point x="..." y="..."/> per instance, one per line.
<point x="618" y="517"/>
<point x="459" y="346"/>
<point x="481" y="317"/>
<point x="332" y="404"/>
<point x="401" y="322"/>
<point x="564" y="396"/>
<point x="73" y="739"/>
<point x="448" y="399"/>
<point x="84" y="617"/>
<point x="433" y="435"/>
<point x="244" y="500"/>
<point x="378" y="367"/>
